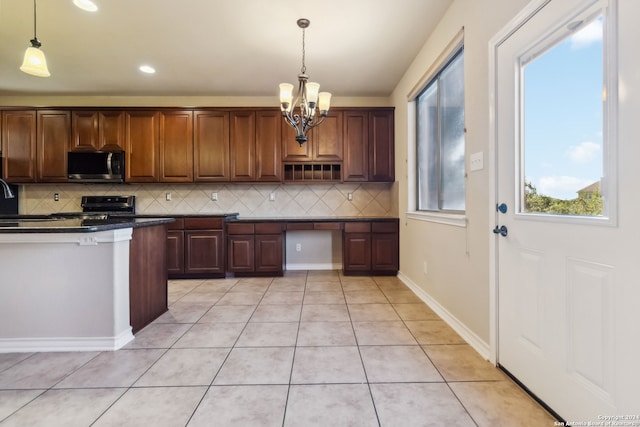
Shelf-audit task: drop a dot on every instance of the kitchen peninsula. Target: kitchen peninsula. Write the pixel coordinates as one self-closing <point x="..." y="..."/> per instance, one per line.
<point x="69" y="284"/>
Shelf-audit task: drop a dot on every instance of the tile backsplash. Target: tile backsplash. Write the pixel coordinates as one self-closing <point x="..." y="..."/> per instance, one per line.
<point x="249" y="200"/>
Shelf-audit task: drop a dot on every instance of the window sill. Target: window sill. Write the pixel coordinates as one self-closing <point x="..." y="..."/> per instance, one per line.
<point x="457" y="220"/>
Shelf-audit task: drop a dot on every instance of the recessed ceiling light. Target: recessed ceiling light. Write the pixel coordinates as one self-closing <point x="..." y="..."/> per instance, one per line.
<point x="148" y="69"/>
<point x="87" y="5"/>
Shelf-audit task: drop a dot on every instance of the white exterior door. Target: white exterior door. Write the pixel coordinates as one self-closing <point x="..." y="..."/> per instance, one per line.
<point x="567" y="270"/>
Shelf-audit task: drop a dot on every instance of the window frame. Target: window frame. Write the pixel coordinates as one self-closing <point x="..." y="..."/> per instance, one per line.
<point x="449" y="217"/>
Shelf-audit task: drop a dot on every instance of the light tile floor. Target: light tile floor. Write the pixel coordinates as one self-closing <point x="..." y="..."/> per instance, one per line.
<point x="308" y="349"/>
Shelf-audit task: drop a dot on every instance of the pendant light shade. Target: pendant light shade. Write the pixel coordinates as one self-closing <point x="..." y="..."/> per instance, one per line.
<point x="34" y="62"/>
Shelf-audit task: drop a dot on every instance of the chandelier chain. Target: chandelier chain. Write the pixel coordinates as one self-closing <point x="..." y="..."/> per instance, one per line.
<point x="303" y="70"/>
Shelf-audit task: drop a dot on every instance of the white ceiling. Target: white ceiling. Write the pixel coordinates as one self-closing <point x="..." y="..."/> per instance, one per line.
<point x="214" y="47"/>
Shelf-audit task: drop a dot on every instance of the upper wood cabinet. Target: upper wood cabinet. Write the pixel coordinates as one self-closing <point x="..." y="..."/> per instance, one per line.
<point x="35" y="145"/>
<point x="176" y="146"/>
<point x="356" y="146"/>
<point x="97" y="130"/>
<point x="19" y="146"/>
<point x="381" y="146"/>
<point x="324" y="142"/>
<point x="52" y="145"/>
<point x="243" y="145"/>
<point x="268" y="149"/>
<point x="327" y="138"/>
<point x="202" y="145"/>
<point x="211" y="146"/>
<point x="291" y="150"/>
<point x="141" y="146"/>
<point x="368" y="145"/>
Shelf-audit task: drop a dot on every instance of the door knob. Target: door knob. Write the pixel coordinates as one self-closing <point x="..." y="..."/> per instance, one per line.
<point x="502" y="208"/>
<point x="501" y="230"/>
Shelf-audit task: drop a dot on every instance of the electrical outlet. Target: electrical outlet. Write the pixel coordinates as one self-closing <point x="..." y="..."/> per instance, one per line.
<point x="424" y="267"/>
<point x="349" y="196"/>
<point x="167" y="197"/>
<point x="272" y="196"/>
<point x="56" y="197"/>
<point x="214" y="197"/>
<point x="298" y="247"/>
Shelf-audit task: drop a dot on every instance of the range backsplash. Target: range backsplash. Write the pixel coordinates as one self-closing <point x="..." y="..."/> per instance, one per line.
<point x="249" y="200"/>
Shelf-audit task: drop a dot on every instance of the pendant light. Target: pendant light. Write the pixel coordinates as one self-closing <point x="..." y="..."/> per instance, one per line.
<point x="34" y="62"/>
<point x="309" y="97"/>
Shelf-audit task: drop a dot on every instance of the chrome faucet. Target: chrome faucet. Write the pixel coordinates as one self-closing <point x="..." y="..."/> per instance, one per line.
<point x="8" y="194"/>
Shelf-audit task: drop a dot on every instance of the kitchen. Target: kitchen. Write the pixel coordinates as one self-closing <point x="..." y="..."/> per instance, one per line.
<point x="450" y="265"/>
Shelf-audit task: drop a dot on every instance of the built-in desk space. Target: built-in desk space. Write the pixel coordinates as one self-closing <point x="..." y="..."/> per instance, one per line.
<point x="255" y="246"/>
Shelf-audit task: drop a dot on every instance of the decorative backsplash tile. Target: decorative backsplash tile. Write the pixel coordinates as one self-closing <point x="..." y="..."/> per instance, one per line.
<point x="249" y="200"/>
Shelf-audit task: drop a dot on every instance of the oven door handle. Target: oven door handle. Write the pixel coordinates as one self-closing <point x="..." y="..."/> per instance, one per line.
<point x="109" y="160"/>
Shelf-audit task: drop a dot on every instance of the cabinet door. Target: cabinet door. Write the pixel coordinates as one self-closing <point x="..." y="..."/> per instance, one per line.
<point x="211" y="146"/>
<point x="384" y="252"/>
<point x="268" y="253"/>
<point x="84" y="130"/>
<point x="381" y="146"/>
<point x="268" y="149"/>
<point x="204" y="252"/>
<point x="19" y="146"/>
<point x="356" y="252"/>
<point x="141" y="140"/>
<point x="176" y="146"/>
<point x="291" y="150"/>
<point x="243" y="145"/>
<point x="327" y="138"/>
<point x="53" y="143"/>
<point x="111" y="131"/>
<point x="356" y="146"/>
<point x="175" y="252"/>
<point x="241" y="253"/>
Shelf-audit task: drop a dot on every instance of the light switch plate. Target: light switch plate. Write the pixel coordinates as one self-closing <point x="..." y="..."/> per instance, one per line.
<point x="477" y="161"/>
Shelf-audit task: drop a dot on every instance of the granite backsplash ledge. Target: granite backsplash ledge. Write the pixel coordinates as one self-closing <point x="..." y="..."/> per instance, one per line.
<point x="249" y="200"/>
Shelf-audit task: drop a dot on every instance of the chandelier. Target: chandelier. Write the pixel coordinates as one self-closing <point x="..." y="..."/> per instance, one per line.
<point x="308" y="99"/>
<point x="34" y="62"/>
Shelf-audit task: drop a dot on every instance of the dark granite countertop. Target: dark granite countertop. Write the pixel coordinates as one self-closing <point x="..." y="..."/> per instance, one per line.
<point x="314" y="219"/>
<point x="53" y="224"/>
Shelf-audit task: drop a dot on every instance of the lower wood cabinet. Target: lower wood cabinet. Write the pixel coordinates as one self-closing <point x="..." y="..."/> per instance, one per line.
<point x="255" y="248"/>
<point x="371" y="248"/>
<point x="147" y="276"/>
<point x="195" y="247"/>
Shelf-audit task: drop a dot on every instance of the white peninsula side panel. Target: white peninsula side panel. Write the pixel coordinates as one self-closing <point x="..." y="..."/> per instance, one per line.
<point x="64" y="291"/>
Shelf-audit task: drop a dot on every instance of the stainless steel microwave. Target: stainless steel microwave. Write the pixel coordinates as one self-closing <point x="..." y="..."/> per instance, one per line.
<point x="95" y="166"/>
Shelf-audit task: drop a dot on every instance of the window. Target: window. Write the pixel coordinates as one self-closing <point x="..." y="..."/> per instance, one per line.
<point x="440" y="142"/>
<point x="563" y="121"/>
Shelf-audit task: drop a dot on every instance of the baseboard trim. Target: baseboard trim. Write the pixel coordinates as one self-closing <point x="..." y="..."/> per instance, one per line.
<point x="319" y="266"/>
<point x="467" y="334"/>
<point x="28" y="345"/>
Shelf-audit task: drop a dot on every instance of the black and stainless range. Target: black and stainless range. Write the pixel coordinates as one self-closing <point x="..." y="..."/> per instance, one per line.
<point x="104" y="207"/>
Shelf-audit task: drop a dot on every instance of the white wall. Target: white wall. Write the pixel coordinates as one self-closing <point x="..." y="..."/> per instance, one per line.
<point x="457" y="257"/>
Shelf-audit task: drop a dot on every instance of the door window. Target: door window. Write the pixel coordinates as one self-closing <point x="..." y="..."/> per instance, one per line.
<point x="562" y="138"/>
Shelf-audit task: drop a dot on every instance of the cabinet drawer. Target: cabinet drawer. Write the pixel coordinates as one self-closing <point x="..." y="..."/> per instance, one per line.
<point x="327" y="226"/>
<point x="240" y="228"/>
<point x="357" y="227"/>
<point x="204" y="223"/>
<point x="296" y="226"/>
<point x="178" y="224"/>
<point x="384" y="227"/>
<point x="269" y="228"/>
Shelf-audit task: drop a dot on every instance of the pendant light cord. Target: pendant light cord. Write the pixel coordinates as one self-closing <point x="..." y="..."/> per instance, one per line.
<point x="35" y="32"/>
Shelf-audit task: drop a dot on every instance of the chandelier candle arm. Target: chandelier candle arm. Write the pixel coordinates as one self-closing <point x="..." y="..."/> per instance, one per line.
<point x="307" y="100"/>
